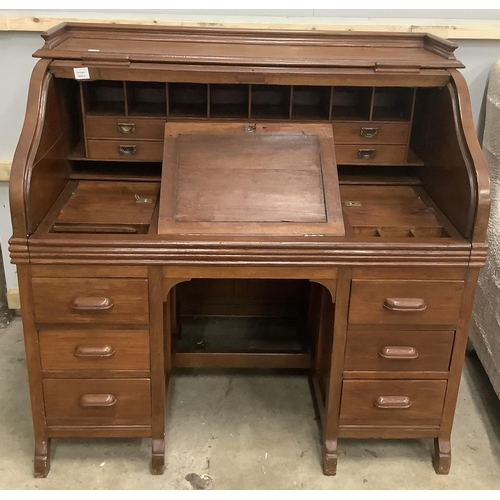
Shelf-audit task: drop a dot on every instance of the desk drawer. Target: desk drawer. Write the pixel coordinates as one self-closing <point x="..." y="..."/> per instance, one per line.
<point x="129" y="128"/>
<point x="94" y="349"/>
<point x="91" y="300"/>
<point x="97" y="402"/>
<point x="405" y="302"/>
<point x="356" y="154"/>
<point x="127" y="149"/>
<point x="392" y="402"/>
<point x="398" y="351"/>
<point x="369" y="133"/>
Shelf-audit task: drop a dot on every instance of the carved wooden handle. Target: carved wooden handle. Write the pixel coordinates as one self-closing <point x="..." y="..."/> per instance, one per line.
<point x="105" y="351"/>
<point x="91" y="304"/>
<point x="398" y="352"/>
<point x="90" y="400"/>
<point x="405" y="304"/>
<point x="126" y="128"/>
<point x="366" y="153"/>
<point x="392" y="402"/>
<point x="368" y="132"/>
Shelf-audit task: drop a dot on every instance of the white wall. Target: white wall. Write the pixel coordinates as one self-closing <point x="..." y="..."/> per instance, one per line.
<point x="16" y="63"/>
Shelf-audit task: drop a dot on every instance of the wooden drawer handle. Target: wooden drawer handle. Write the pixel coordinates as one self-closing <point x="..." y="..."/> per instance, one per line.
<point x="405" y="305"/>
<point x="126" y="128"/>
<point x="92" y="400"/>
<point x="91" y="304"/>
<point x="105" y="351"/>
<point x="366" y="154"/>
<point x="127" y="149"/>
<point x="392" y="402"/>
<point x="368" y="132"/>
<point x="398" y="352"/>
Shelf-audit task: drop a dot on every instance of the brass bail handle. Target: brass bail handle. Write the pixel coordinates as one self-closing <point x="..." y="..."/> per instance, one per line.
<point x="127" y="149"/>
<point x="126" y="128"/>
<point x="368" y="132"/>
<point x="366" y="154"/>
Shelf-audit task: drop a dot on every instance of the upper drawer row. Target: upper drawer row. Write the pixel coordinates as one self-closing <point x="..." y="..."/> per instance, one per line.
<point x="355" y="132"/>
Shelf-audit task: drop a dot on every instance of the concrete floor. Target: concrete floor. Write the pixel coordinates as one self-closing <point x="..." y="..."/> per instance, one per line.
<point x="245" y="431"/>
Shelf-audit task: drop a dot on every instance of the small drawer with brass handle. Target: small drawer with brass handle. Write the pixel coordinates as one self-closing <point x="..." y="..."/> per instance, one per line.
<point x="126" y="128"/>
<point x="91" y="300"/>
<point x="127" y="149"/>
<point x="83" y="402"/>
<point x="405" y="302"/>
<point x="118" y="150"/>
<point x="108" y="127"/>
<point x="406" y="351"/>
<point x="392" y="402"/>
<point x="70" y="349"/>
<point x="360" y="154"/>
<point x="364" y="132"/>
<point x="97" y="400"/>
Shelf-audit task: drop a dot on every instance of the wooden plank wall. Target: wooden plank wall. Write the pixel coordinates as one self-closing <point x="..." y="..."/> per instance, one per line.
<point x="471" y="30"/>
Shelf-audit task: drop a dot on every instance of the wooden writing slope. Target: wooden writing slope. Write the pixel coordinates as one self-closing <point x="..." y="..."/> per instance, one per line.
<point x="246" y="179"/>
<point x="211" y="198"/>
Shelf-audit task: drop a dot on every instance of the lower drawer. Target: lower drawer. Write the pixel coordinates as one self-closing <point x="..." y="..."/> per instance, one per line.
<point x="94" y="349"/>
<point x="125" y="150"/>
<point x="368" y="350"/>
<point x="356" y="154"/>
<point x="392" y="402"/>
<point x="71" y="402"/>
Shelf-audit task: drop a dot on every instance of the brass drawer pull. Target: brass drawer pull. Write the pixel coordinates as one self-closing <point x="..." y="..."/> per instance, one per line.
<point x="126" y="128"/>
<point x="392" y="402"/>
<point x="105" y="351"/>
<point x="368" y="132"/>
<point x="91" y="304"/>
<point x="398" y="352"/>
<point x="366" y="154"/>
<point x="100" y="400"/>
<point x="405" y="305"/>
<point x="127" y="149"/>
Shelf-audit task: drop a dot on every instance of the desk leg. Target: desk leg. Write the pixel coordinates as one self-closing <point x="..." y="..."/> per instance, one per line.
<point x="339" y="294"/>
<point x="442" y="456"/>
<point x="41" y="462"/>
<point x="158" y="364"/>
<point x="442" y="444"/>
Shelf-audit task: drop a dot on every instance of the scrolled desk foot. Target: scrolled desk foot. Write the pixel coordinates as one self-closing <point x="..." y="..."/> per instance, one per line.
<point x="330" y="458"/>
<point x="442" y="456"/>
<point x="158" y="457"/>
<point x="41" y="461"/>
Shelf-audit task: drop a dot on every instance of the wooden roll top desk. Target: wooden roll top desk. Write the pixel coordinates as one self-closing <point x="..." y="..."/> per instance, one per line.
<point x="329" y="182"/>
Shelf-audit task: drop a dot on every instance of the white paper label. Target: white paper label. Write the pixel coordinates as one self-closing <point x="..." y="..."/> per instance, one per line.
<point x="81" y="73"/>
